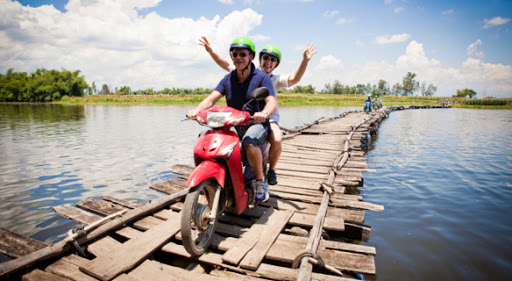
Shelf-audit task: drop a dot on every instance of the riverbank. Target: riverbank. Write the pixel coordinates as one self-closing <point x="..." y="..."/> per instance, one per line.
<point x="287" y="99"/>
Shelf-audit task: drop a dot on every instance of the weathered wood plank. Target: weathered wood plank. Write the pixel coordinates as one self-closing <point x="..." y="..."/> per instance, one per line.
<point x="102" y="246"/>
<point x="132" y="252"/>
<point x="264" y="270"/>
<point x="75" y="214"/>
<point x="348" y="215"/>
<point x="157" y="271"/>
<point x="68" y="270"/>
<point x="38" y="274"/>
<point x="247" y="241"/>
<point x="267" y="237"/>
<point x="15" y="245"/>
<point x="171" y="186"/>
<point x="182" y="169"/>
<point x="100" y="207"/>
<point x="123" y="203"/>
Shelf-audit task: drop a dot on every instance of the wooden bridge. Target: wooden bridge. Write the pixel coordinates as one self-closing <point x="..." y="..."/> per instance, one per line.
<point x="310" y="229"/>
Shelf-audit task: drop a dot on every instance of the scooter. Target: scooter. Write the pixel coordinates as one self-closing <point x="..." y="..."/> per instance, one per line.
<point x="217" y="183"/>
<point x="367" y="106"/>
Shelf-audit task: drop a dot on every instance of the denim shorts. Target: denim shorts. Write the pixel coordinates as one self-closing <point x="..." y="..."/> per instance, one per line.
<point x="255" y="134"/>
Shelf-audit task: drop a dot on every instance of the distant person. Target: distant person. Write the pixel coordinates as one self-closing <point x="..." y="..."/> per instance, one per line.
<point x="270" y="57"/>
<point x="368" y="104"/>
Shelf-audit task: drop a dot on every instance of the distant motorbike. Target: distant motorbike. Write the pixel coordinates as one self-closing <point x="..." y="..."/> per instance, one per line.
<point x="217" y="183"/>
<point x="367" y="106"/>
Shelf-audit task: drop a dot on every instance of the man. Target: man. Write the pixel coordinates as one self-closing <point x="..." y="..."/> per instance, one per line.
<point x="237" y="87"/>
<point x="270" y="57"/>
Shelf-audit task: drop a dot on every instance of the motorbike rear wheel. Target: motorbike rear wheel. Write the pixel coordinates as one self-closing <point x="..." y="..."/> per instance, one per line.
<point x="197" y="228"/>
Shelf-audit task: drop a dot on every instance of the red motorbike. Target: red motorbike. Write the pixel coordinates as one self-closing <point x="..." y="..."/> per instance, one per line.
<point x="217" y="183"/>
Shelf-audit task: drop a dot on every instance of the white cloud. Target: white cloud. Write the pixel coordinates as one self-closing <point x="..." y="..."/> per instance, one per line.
<point x="398" y="10"/>
<point x="341" y="21"/>
<point x="495" y="22"/>
<point x="448" y="12"/>
<point x="332" y="13"/>
<point x="228" y="2"/>
<point x="388" y="2"/>
<point x="473" y="73"/>
<point x="111" y="43"/>
<point x="329" y="62"/>
<point x="472" y="50"/>
<point x="397" y="38"/>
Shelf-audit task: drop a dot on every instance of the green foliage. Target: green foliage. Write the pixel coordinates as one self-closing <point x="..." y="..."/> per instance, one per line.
<point x="465" y="93"/>
<point x="409" y="84"/>
<point x="427" y="91"/>
<point x="485" y="102"/>
<point x="309" y="89"/>
<point x="41" y="86"/>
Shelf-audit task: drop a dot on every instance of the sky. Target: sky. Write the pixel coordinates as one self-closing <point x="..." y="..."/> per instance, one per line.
<point x="153" y="44"/>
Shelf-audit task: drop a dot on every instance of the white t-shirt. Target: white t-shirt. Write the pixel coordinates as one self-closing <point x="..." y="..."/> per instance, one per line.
<point x="279" y="82"/>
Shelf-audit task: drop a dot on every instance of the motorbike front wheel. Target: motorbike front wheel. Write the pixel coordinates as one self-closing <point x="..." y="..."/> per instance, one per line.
<point x="196" y="226"/>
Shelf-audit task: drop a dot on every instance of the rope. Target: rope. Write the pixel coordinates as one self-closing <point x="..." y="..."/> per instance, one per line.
<point x="298" y="259"/>
<point x="75" y="233"/>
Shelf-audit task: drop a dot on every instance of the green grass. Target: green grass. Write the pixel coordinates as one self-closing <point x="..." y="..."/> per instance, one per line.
<point x="301" y="99"/>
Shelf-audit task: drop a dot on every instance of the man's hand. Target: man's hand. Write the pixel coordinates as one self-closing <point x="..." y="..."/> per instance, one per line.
<point x="192" y="113"/>
<point x="204" y="42"/>
<point x="309" y="52"/>
<point x="260" y="117"/>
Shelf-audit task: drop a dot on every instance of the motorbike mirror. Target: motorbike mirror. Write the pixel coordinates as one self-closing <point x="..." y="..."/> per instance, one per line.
<point x="258" y="94"/>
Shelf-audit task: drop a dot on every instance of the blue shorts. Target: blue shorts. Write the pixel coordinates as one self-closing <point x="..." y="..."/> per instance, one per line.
<point x="255" y="134"/>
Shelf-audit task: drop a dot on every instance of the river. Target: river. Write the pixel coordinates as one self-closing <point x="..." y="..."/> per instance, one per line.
<point x="443" y="175"/>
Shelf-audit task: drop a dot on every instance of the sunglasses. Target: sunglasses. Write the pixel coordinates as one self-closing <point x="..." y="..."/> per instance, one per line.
<point x="241" y="54"/>
<point x="267" y="57"/>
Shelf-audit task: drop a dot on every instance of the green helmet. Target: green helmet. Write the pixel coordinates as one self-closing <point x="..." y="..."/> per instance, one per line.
<point x="273" y="51"/>
<point x="243" y="42"/>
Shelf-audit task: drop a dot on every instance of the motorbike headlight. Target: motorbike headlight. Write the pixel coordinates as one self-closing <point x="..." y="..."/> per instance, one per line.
<point x="217" y="119"/>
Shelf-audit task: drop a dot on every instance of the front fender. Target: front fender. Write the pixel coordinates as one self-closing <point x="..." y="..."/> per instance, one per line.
<point x="206" y="170"/>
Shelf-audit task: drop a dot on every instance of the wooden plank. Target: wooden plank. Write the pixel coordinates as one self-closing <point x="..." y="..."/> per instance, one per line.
<point x="347" y="247"/>
<point x="230" y="275"/>
<point x="307" y="220"/>
<point x="256" y="255"/>
<point x="304" y="167"/>
<point x="15" y="245"/>
<point x="132" y="252"/>
<point x="249" y="239"/>
<point x="75" y="214"/>
<point x="157" y="271"/>
<point x="264" y="270"/>
<point x="348" y="215"/>
<point x="121" y="202"/>
<point x="68" y="270"/>
<point x="100" y="207"/>
<point x="349" y="261"/>
<point x="38" y="274"/>
<point x="182" y="169"/>
<point x="171" y="186"/>
<point x="102" y="246"/>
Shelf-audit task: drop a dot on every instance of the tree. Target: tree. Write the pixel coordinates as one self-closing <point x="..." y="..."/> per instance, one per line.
<point x="124" y="90"/>
<point x="397" y="89"/>
<point x="104" y="90"/>
<point x="466" y="93"/>
<point x="427" y="91"/>
<point x="409" y="84"/>
<point x="383" y="87"/>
